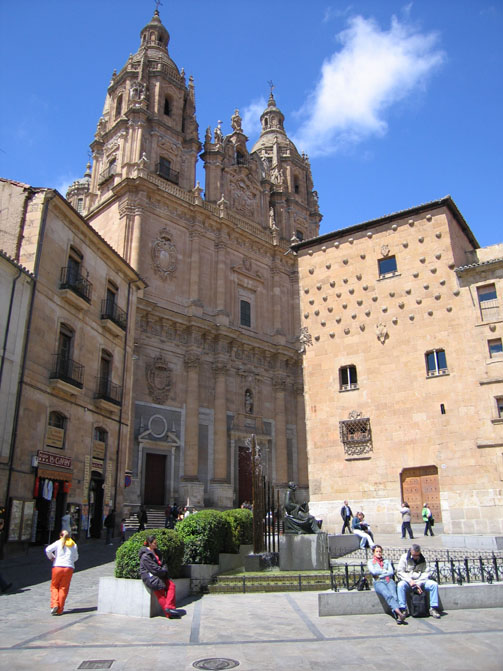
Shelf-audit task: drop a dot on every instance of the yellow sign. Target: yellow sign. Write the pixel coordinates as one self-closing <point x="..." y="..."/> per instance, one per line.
<point x="98" y="450"/>
<point x="55" y="437"/>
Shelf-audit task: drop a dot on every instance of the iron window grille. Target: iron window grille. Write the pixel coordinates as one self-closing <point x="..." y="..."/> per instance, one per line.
<point x="165" y="171"/>
<point x="108" y="390"/>
<point x="356" y="436"/>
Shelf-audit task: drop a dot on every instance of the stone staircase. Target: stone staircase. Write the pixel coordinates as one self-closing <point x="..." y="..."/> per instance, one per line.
<point x="155" y="520"/>
<point x="270" y="581"/>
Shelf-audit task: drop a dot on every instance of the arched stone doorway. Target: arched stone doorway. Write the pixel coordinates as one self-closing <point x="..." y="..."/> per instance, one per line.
<point x="418" y="485"/>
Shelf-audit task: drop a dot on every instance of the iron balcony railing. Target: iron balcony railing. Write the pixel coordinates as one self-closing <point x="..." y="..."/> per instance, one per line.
<point x="108" y="391"/>
<point x="70" y="279"/>
<point x="67" y="370"/>
<point x="107" y="174"/>
<point x="167" y="173"/>
<point x="109" y="310"/>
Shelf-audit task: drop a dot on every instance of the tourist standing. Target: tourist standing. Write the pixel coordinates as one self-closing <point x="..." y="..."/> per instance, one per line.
<point x="346" y="515"/>
<point x="427" y="519"/>
<point x="109" y="526"/>
<point x="63" y="553"/>
<point x="142" y="519"/>
<point x="406" y="517"/>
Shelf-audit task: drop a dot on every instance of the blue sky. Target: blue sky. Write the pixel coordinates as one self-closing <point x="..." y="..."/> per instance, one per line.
<point x="396" y="103"/>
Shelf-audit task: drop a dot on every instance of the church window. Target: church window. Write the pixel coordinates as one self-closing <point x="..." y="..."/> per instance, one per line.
<point x="118" y="107"/>
<point x="266" y="123"/>
<point x="387" y="266"/>
<point x="299" y="235"/>
<point x="296" y="187"/>
<point x="164" y="170"/>
<point x="240" y="159"/>
<point x="167" y="106"/>
<point x="348" y="378"/>
<point x="495" y="348"/>
<point x="244" y="313"/>
<point x="80" y="205"/>
<point x="436" y="363"/>
<point x="488" y="303"/>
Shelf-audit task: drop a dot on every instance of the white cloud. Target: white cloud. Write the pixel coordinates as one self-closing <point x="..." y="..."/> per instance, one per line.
<point x="251" y="117"/>
<point x="373" y="70"/>
<point x="64" y="182"/>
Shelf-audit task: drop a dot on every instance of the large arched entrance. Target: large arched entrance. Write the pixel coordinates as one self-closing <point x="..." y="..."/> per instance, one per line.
<point x="420" y="485"/>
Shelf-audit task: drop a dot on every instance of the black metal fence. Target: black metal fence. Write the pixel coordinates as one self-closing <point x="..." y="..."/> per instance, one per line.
<point x="479" y="569"/>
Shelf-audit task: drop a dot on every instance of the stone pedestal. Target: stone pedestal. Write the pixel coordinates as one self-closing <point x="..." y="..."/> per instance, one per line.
<point x="342" y="544"/>
<point x="303" y="552"/>
<point x="221" y="495"/>
<point x="191" y="494"/>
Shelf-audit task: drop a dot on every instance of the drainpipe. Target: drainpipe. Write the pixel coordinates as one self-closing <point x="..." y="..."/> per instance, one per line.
<point x="50" y="195"/>
<point x="124" y="360"/>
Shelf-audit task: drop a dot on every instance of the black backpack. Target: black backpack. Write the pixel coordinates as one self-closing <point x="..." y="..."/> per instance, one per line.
<point x="419" y="604"/>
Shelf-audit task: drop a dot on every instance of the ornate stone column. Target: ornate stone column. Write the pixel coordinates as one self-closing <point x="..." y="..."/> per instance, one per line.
<point x="220" y="488"/>
<point x="279" y="385"/>
<point x="302" y="475"/>
<point x="222" y="278"/>
<point x="194" y="267"/>
<point x="190" y="488"/>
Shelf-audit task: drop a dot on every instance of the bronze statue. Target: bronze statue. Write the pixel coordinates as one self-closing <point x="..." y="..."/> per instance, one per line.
<point x="297" y="517"/>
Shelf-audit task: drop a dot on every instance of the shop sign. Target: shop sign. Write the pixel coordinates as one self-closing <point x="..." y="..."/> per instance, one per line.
<point x="98" y="449"/>
<point x="97" y="465"/>
<point x="55" y="437"/>
<point x="49" y="459"/>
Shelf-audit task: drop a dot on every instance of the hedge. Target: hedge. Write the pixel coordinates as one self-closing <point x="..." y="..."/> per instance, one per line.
<point x="240" y="531"/>
<point x="169" y="543"/>
<point x="205" y="535"/>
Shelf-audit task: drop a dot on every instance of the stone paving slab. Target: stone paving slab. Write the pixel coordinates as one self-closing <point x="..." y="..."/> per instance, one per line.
<point x="263" y="632"/>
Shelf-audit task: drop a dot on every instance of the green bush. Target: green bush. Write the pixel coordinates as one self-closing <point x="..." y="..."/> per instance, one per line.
<point x="169" y="543"/>
<point x="204" y="535"/>
<point x="240" y="522"/>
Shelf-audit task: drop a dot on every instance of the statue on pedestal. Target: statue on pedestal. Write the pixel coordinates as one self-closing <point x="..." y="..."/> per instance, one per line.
<point x="298" y="520"/>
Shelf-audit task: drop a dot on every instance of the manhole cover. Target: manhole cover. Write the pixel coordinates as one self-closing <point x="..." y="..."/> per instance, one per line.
<point x="97" y="664"/>
<point x="216" y="663"/>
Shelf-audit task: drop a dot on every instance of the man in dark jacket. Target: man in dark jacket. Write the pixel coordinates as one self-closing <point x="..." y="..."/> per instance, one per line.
<point x="109" y="526"/>
<point x="142" y="519"/>
<point x="154" y="574"/>
<point x="346" y="515"/>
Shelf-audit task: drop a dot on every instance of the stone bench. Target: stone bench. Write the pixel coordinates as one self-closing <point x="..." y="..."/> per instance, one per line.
<point x="121" y="596"/>
<point x="451" y="597"/>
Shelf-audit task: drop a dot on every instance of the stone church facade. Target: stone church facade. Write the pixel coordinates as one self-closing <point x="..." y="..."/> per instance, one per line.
<point x="402" y="325"/>
<point x="216" y="349"/>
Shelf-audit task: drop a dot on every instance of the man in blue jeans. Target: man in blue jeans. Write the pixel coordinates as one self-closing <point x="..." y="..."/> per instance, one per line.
<point x="414" y="573"/>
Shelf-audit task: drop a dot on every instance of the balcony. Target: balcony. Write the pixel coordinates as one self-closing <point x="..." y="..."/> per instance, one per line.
<point x="74" y="284"/>
<point x="107" y="174"/>
<point x="166" y="173"/>
<point x="67" y="374"/>
<point x="114" y="318"/>
<point x="108" y="392"/>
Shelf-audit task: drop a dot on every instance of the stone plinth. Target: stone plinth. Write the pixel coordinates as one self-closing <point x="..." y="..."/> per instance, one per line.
<point x="303" y="552"/>
<point x="473" y="542"/>
<point x="121" y="596"/>
<point x="342" y="544"/>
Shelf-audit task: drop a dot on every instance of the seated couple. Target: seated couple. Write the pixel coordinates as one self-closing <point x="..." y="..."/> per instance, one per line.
<point x="413" y="574"/>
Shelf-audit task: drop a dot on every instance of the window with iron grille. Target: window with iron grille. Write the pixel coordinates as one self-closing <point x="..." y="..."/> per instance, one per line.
<point x="495" y="348"/>
<point x="356" y="436"/>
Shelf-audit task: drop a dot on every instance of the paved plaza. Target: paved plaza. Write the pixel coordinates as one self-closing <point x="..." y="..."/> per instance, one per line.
<point x="260" y="632"/>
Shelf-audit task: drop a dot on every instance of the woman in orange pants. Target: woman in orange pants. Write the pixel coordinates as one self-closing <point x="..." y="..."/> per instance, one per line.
<point x="63" y="554"/>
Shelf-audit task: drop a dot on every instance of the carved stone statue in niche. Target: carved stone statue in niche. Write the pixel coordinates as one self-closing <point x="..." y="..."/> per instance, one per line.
<point x="249" y="402"/>
<point x="164" y="255"/>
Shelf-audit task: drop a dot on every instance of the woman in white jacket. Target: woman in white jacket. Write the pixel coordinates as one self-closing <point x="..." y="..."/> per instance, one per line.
<point x="63" y="553"/>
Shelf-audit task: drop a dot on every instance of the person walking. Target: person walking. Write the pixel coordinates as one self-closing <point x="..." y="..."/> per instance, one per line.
<point x="63" y="553"/>
<point x="66" y="522"/>
<point x="427" y="519"/>
<point x="382" y="572"/>
<point x="346" y="514"/>
<point x="142" y="519"/>
<point x="154" y="574"/>
<point x="109" y="526"/>
<point x="405" y="511"/>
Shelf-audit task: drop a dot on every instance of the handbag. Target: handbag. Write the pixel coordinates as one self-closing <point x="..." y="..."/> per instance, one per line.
<point x="419" y="604"/>
<point x="432" y="521"/>
<point x="361" y="584"/>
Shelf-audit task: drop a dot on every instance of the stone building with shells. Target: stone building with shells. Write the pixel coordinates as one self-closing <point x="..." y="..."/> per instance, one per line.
<point x="402" y="327"/>
<point x="216" y="355"/>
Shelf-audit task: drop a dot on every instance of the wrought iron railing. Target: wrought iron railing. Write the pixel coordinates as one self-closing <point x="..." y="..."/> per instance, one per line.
<point x="107" y="174"/>
<point x="166" y="173"/>
<point x="67" y="370"/>
<point x="108" y="391"/>
<point x="70" y="279"/>
<point x="458" y="571"/>
<point x="109" y="310"/>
